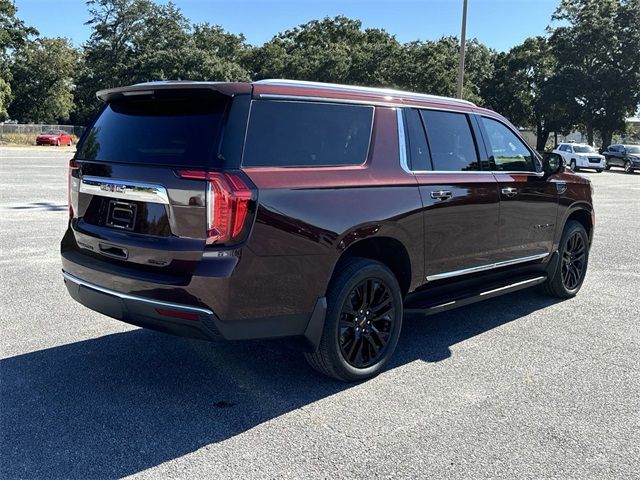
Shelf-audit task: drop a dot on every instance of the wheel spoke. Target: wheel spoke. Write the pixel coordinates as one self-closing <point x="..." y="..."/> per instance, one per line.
<point x="382" y="307"/>
<point x="358" y="355"/>
<point x="354" y="342"/>
<point x="374" y="346"/>
<point x="380" y="335"/>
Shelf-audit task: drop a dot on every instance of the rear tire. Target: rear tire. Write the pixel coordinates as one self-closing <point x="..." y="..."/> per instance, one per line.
<point x="573" y="166"/>
<point x="574" y="259"/>
<point x="57" y="143"/>
<point x="363" y="322"/>
<point x="628" y="168"/>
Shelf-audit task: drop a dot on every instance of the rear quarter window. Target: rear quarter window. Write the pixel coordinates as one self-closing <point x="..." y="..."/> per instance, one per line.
<point x="306" y="134"/>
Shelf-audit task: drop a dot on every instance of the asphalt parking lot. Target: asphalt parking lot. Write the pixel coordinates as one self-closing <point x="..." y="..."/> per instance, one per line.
<point x="519" y="386"/>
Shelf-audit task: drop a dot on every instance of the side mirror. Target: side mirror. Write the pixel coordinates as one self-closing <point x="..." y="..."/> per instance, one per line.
<point x="552" y="162"/>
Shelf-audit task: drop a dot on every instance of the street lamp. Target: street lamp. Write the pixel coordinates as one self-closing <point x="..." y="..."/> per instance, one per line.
<point x="463" y="40"/>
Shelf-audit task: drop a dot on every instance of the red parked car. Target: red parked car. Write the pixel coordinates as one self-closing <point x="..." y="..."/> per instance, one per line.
<point x="54" y="137"/>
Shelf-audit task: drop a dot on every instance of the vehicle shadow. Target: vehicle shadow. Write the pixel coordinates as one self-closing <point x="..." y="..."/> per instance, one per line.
<point x="118" y="404"/>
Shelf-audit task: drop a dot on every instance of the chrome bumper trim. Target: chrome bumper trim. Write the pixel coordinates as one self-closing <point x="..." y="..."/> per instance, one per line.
<point x="135" y="298"/>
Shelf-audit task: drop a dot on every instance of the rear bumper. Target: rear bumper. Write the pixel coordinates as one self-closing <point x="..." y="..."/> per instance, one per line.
<point x="194" y="322"/>
<point x="168" y="317"/>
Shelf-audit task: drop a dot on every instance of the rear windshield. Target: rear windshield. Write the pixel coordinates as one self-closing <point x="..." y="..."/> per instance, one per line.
<point x="304" y="134"/>
<point x="161" y="131"/>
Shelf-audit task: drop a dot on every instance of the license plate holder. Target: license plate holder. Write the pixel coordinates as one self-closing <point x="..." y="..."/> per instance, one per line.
<point x="122" y="215"/>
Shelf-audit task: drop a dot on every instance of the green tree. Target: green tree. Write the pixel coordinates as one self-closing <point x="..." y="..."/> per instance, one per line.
<point x="13" y="31"/>
<point x="329" y="50"/>
<point x="43" y="80"/>
<point x="13" y="34"/>
<point x="597" y="46"/>
<point x="136" y="41"/>
<point x="525" y="89"/>
<point x="431" y="67"/>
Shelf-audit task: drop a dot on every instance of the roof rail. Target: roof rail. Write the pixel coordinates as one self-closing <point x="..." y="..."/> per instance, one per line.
<point x="359" y="89"/>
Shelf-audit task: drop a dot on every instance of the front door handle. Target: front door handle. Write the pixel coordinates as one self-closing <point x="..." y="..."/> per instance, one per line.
<point x="441" y="195"/>
<point x="509" y="192"/>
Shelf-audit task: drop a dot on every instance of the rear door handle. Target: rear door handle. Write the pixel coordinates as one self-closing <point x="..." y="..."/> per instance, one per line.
<point x="509" y="192"/>
<point x="441" y="195"/>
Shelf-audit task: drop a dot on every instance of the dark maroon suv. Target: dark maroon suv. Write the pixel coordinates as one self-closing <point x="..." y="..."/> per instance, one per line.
<point x="312" y="211"/>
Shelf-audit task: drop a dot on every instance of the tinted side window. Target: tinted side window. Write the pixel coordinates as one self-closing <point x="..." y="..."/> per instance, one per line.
<point x="289" y="134"/>
<point x="508" y="151"/>
<point x="419" y="158"/>
<point x="450" y="140"/>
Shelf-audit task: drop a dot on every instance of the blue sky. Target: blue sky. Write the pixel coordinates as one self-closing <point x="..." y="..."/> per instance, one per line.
<point x="500" y="24"/>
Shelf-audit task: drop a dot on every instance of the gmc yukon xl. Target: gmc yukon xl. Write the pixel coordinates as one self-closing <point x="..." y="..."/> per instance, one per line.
<point x="312" y="211"/>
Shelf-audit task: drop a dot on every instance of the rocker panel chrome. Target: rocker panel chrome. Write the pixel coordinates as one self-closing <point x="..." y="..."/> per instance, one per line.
<point x="482" y="268"/>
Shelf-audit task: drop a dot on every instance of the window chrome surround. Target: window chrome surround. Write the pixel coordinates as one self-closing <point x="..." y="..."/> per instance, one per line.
<point x="388" y="92"/>
<point x="124" y="189"/>
<point x="402" y="144"/>
<point x="482" y="268"/>
<point x="135" y="298"/>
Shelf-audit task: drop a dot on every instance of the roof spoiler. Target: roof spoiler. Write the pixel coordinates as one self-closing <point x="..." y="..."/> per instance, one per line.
<point x="150" y="88"/>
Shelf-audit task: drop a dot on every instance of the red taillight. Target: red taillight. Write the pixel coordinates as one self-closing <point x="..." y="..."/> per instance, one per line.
<point x="228" y="200"/>
<point x="73" y="165"/>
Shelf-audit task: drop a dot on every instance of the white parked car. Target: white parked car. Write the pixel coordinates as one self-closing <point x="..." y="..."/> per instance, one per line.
<point x="579" y="155"/>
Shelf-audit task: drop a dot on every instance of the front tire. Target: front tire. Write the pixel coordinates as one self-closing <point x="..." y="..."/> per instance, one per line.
<point x="574" y="258"/>
<point x="363" y="322"/>
<point x="573" y="166"/>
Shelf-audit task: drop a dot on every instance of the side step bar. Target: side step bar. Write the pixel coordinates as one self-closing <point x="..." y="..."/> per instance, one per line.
<point x="432" y="309"/>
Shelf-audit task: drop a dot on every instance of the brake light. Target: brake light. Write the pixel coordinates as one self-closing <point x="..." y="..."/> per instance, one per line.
<point x="228" y="200"/>
<point x="73" y="165"/>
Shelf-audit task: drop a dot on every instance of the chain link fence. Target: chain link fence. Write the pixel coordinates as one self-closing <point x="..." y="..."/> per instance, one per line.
<point x="32" y="128"/>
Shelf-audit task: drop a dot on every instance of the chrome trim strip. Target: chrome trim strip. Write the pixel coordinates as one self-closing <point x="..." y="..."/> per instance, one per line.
<point x="490" y="172"/>
<point x="517" y="284"/>
<point x="126" y="296"/>
<point x="402" y="142"/>
<point x="358" y="89"/>
<point x="124" y="189"/>
<point x="482" y="268"/>
<point x="305" y="98"/>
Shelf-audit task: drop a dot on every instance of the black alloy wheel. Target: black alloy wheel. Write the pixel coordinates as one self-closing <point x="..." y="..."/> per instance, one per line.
<point x="567" y="276"/>
<point x="363" y="321"/>
<point x="574" y="261"/>
<point x="366" y="322"/>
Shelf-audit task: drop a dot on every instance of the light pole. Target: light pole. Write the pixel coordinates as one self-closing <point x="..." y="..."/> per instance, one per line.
<point x="463" y="40"/>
